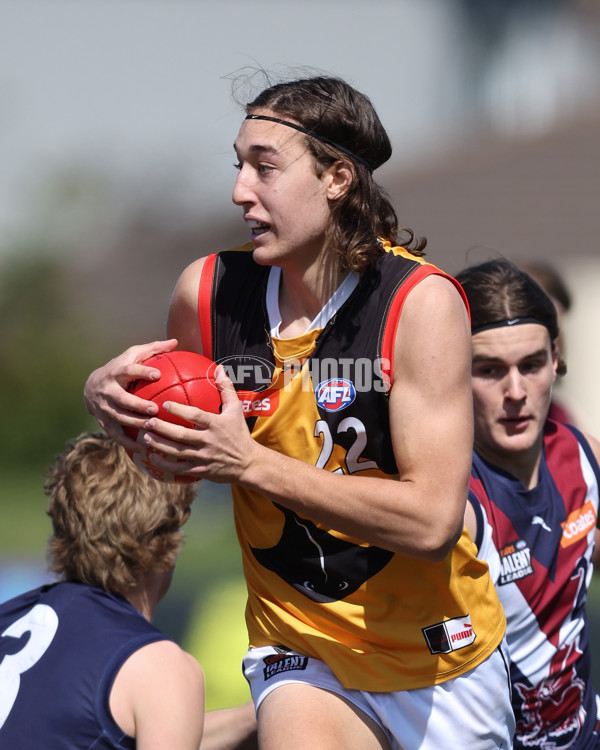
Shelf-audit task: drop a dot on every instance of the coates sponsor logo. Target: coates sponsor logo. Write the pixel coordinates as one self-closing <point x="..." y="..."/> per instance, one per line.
<point x="578" y="524"/>
<point x="335" y="394"/>
<point x="279" y="663"/>
<point x="515" y="562"/>
<point x="450" y="635"/>
<point x="247" y="372"/>
<point x="259" y="404"/>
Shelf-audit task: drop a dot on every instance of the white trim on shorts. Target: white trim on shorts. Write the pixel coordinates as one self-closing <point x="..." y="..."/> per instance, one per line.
<point x="469" y="712"/>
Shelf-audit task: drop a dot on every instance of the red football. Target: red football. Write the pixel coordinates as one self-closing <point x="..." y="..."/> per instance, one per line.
<point x="185" y="377"/>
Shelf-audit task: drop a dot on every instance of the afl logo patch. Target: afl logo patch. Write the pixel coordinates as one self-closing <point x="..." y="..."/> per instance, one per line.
<point x="335" y="394"/>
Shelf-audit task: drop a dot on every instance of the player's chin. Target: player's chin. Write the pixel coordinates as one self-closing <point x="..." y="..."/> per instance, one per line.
<point x="264" y="252"/>
<point x="262" y="259"/>
<point x="517" y="443"/>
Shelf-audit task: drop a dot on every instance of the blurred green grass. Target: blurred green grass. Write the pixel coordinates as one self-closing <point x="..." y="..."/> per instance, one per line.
<point x="25" y="526"/>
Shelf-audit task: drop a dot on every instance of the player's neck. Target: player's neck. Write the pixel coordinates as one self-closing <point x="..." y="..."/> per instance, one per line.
<point x="303" y="294"/>
<point x="146" y="595"/>
<point x="524" y="466"/>
<point x="138" y="598"/>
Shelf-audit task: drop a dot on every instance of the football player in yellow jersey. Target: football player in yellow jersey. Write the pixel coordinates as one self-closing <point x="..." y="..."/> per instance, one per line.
<point x="371" y="622"/>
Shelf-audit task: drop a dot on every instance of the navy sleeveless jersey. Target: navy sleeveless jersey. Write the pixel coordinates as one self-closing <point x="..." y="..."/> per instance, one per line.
<point x="539" y="544"/>
<point x="61" y="647"/>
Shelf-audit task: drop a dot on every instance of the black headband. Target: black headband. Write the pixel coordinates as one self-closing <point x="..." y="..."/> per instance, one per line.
<point x="314" y="135"/>
<point x="508" y="322"/>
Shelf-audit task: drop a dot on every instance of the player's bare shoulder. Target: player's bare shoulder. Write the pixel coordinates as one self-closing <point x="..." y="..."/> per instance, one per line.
<point x="187" y="284"/>
<point x="436" y="296"/>
<point x="159" y="668"/>
<point x="183" y="322"/>
<point x="434" y="319"/>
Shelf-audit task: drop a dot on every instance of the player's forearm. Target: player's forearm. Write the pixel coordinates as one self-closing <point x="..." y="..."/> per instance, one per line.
<point x="413" y="518"/>
<point x="230" y="729"/>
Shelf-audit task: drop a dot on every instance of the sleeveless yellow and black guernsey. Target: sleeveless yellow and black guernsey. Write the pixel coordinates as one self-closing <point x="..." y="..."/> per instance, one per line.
<point x="381" y="621"/>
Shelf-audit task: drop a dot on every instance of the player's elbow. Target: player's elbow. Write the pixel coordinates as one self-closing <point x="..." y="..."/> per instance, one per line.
<point x="440" y="541"/>
<point x="446" y="522"/>
<point x="441" y="551"/>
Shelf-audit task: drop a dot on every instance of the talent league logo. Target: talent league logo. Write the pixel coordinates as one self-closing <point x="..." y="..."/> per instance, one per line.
<point x="515" y="562"/>
<point x="335" y="394"/>
<point x="288" y="662"/>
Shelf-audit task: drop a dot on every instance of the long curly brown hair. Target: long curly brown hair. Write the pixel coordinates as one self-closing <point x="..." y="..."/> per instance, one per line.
<point x="333" y="109"/>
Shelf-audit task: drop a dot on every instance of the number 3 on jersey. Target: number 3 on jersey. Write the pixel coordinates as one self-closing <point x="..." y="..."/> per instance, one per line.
<point x="41" y="623"/>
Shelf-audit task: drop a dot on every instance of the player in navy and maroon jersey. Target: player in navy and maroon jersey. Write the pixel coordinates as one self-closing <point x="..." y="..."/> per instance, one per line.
<point x="533" y="507"/>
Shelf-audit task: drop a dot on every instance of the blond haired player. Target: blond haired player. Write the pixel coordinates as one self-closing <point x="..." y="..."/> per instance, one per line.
<point x="80" y="664"/>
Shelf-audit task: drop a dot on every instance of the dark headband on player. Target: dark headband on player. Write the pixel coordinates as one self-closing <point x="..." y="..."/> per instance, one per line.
<point x="508" y="322"/>
<point x="314" y="135"/>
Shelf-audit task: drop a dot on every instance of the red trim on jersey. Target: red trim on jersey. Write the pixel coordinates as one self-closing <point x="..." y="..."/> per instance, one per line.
<point x="393" y="317"/>
<point x="562" y="452"/>
<point x="204" y="303"/>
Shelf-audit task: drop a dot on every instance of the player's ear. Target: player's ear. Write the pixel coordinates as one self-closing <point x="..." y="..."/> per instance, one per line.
<point x="339" y="178"/>
<point x="558" y="362"/>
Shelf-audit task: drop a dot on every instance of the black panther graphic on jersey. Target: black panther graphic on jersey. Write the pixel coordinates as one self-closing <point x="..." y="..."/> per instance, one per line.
<point x="318" y="564"/>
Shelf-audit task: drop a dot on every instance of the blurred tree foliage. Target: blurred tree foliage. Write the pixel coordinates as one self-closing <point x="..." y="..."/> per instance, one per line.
<point x="46" y="353"/>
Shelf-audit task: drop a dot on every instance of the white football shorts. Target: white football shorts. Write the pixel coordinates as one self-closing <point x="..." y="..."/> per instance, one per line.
<point x="470" y="712"/>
